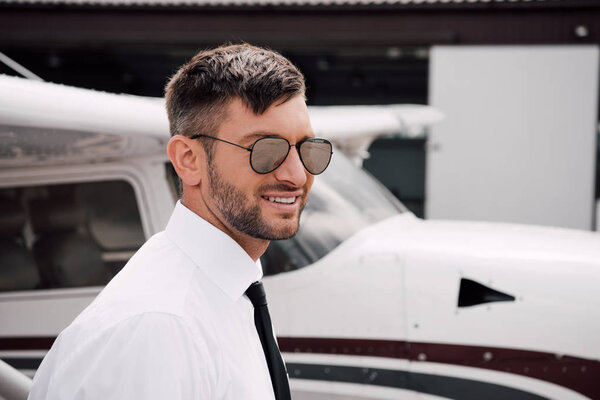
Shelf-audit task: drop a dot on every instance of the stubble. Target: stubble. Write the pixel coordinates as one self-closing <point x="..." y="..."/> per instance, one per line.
<point x="239" y="212"/>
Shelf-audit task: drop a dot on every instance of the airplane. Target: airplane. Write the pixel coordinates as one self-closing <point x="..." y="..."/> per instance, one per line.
<point x="368" y="301"/>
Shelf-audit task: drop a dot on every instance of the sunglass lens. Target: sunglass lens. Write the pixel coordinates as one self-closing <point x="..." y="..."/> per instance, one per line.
<point x="315" y="154"/>
<point x="268" y="154"/>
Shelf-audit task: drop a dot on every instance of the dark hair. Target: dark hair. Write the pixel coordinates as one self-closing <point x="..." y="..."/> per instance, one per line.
<point x="200" y="90"/>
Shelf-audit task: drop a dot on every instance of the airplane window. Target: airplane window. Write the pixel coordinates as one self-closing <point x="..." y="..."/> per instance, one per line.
<point x="343" y="200"/>
<point x="72" y="235"/>
<point x="114" y="223"/>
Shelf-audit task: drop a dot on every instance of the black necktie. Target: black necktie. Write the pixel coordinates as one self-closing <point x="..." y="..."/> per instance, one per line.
<point x="262" y="320"/>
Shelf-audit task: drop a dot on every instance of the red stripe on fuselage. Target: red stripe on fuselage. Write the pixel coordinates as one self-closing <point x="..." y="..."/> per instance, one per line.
<point x="26" y="343"/>
<point x="578" y="374"/>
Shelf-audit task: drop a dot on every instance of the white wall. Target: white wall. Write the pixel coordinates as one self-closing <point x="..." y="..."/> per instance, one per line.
<point x="519" y="140"/>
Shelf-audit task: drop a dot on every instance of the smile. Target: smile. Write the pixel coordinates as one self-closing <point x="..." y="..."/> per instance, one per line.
<point x="281" y="200"/>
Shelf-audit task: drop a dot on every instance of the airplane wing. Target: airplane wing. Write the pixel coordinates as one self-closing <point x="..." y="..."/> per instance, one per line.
<point x="47" y="123"/>
<point x="353" y="128"/>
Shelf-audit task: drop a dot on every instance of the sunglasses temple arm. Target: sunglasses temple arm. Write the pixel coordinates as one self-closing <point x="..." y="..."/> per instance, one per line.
<point x="220" y="140"/>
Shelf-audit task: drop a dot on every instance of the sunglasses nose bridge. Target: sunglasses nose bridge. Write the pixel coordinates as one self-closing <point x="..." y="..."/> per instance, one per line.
<point x="292" y="168"/>
<point x="294" y="151"/>
<point x="291" y="147"/>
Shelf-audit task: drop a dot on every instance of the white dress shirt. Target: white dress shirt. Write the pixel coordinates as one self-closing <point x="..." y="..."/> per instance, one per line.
<point x="173" y="324"/>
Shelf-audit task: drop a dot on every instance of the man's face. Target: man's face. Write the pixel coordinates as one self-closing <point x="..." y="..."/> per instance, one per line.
<point x="261" y="206"/>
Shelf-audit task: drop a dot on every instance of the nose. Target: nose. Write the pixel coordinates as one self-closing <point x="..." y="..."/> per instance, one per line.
<point x="292" y="170"/>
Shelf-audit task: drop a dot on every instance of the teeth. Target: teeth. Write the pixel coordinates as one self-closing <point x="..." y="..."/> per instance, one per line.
<point x="283" y="200"/>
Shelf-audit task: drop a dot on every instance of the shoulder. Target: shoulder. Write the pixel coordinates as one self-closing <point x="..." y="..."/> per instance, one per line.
<point x="152" y="355"/>
<point x="156" y="279"/>
<point x="159" y="281"/>
<point x="150" y="330"/>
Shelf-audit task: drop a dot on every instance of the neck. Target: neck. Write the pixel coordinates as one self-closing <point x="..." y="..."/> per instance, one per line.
<point x="253" y="246"/>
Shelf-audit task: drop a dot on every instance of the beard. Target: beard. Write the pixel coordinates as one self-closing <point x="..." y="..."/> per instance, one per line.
<point x="246" y="217"/>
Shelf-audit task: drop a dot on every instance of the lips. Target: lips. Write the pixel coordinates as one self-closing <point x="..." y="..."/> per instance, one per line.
<point x="281" y="200"/>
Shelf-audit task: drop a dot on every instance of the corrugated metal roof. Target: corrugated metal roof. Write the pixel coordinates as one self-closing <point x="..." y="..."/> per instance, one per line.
<point x="259" y="3"/>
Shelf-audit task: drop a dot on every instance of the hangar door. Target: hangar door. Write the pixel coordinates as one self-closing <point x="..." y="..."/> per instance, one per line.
<point x="519" y="140"/>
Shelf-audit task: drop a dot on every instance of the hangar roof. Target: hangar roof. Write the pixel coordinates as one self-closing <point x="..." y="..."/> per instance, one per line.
<point x="303" y="3"/>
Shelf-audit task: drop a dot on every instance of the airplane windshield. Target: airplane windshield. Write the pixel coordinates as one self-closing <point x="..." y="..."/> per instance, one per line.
<point x="343" y="200"/>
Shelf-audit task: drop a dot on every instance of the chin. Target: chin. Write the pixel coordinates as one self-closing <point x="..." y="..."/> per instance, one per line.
<point x="283" y="231"/>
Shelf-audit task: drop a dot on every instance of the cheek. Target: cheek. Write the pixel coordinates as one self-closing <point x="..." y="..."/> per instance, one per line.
<point x="246" y="182"/>
<point x="309" y="181"/>
<point x="307" y="186"/>
<point x="233" y="166"/>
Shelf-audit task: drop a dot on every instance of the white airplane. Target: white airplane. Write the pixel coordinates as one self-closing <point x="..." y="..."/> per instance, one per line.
<point x="369" y="302"/>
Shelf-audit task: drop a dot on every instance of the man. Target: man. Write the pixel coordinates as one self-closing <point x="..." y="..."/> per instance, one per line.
<point x="175" y="323"/>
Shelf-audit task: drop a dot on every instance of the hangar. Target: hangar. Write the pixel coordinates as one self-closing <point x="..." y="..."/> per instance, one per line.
<point x="351" y="51"/>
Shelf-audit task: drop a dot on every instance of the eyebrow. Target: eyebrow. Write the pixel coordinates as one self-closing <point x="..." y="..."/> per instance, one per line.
<point x="254" y="136"/>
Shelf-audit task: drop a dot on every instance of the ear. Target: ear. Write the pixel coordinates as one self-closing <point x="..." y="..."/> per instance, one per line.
<point x="186" y="156"/>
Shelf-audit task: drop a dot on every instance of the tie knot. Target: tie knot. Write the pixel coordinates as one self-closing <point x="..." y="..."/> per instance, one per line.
<point x="256" y="294"/>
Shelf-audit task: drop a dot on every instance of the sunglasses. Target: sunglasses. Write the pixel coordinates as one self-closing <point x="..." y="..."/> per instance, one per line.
<point x="268" y="153"/>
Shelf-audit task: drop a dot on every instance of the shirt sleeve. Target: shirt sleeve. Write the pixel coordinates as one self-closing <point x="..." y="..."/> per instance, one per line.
<point x="149" y="356"/>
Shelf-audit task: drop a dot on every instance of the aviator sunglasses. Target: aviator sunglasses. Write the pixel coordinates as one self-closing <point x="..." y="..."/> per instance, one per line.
<point x="268" y="153"/>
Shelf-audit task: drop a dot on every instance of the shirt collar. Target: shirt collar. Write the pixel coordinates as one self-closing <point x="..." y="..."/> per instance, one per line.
<point x="219" y="256"/>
